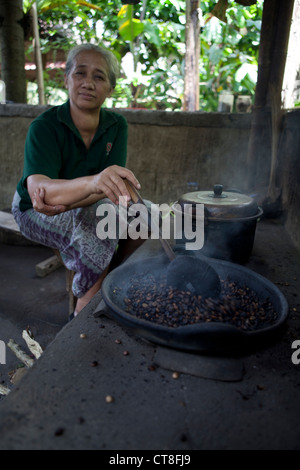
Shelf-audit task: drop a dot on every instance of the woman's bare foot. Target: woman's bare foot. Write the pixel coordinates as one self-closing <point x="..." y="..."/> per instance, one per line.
<point x="83" y="301"/>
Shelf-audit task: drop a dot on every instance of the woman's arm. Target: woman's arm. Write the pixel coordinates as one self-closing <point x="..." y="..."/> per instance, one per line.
<point x="83" y="191"/>
<point x="39" y="205"/>
<point x="59" y="192"/>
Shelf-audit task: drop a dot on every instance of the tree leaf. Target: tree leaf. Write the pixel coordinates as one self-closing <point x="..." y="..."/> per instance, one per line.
<point x="129" y="30"/>
<point x="152" y="33"/>
<point x="220" y="10"/>
<point x="50" y="5"/>
<point x="129" y="27"/>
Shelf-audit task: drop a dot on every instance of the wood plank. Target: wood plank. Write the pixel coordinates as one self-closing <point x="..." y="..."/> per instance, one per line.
<point x="48" y="266"/>
<point x="7" y="222"/>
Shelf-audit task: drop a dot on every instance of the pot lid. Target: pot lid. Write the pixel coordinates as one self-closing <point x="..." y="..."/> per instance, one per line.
<point x="222" y="204"/>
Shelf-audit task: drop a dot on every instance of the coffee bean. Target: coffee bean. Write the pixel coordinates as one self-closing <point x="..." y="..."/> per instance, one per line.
<point x="109" y="399"/>
<point x="151" y="299"/>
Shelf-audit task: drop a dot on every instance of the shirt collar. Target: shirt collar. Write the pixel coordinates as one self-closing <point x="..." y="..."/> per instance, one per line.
<point x="107" y="119"/>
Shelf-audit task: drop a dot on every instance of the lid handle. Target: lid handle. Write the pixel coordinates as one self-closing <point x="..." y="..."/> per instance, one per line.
<point x="218" y="189"/>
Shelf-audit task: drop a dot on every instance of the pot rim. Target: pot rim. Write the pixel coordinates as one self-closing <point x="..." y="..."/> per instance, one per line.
<point x="237" y="219"/>
<point x="221" y="219"/>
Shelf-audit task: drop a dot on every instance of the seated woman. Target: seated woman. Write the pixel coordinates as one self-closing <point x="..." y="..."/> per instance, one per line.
<point x="75" y="156"/>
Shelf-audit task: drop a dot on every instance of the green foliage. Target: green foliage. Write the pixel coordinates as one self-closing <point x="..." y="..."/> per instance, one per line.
<point x="229" y="52"/>
<point x="153" y="32"/>
<point x="129" y="27"/>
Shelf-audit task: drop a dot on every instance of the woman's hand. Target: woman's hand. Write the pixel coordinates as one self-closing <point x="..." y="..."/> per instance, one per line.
<point x="39" y="204"/>
<point x="111" y="182"/>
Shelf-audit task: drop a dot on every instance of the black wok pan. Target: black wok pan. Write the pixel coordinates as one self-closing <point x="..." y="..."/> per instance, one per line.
<point x="200" y="337"/>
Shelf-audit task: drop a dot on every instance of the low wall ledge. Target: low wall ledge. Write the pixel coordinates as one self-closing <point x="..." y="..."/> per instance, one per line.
<point x="21" y="110"/>
<point x="186" y="119"/>
<point x="148" y="117"/>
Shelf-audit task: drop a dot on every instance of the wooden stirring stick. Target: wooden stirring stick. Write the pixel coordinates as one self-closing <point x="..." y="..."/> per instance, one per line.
<point x="137" y="199"/>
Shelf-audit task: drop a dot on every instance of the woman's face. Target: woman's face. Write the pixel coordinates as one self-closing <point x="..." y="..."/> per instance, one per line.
<point x="88" y="82"/>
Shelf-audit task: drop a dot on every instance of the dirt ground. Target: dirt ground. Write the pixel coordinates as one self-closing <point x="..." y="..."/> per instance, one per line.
<point x="41" y="304"/>
<point x="259" y="411"/>
<point x="27" y="300"/>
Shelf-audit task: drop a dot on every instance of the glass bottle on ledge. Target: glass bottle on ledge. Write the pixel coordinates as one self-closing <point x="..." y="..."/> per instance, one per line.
<point x="2" y="93"/>
<point x="192" y="187"/>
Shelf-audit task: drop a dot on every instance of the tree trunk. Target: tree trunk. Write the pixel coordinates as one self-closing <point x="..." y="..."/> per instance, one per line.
<point x="38" y="55"/>
<point x="192" y="56"/>
<point x="12" y="50"/>
<point x="291" y="82"/>
<point x="277" y="17"/>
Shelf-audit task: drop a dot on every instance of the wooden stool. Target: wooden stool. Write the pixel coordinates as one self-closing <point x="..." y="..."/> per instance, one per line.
<point x="69" y="281"/>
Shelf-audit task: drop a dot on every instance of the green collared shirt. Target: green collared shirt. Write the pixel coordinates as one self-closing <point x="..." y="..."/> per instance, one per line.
<point x="54" y="148"/>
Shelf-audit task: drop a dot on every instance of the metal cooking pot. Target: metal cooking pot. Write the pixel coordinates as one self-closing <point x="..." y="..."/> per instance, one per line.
<point x="230" y="222"/>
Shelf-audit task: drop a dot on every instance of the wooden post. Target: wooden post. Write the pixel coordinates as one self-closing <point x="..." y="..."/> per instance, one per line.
<point x="192" y="56"/>
<point x="12" y="50"/>
<point x="291" y="79"/>
<point x="277" y="17"/>
<point x="38" y="55"/>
